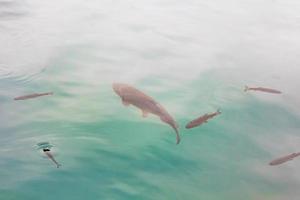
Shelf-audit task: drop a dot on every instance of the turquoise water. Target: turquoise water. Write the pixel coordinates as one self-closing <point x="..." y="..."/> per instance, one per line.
<point x="191" y="57"/>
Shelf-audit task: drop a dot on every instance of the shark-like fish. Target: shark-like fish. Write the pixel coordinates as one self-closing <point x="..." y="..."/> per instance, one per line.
<point x="147" y="104"/>
<point x="202" y="119"/>
<point x="31" y="96"/>
<point x="284" y="159"/>
<point x="262" y="89"/>
<point x="50" y="156"/>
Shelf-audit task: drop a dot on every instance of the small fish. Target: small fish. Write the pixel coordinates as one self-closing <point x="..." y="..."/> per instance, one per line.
<point x="47" y="152"/>
<point x="202" y="119"/>
<point x="268" y="90"/>
<point x="284" y="159"/>
<point x="133" y="96"/>
<point x="31" y="96"/>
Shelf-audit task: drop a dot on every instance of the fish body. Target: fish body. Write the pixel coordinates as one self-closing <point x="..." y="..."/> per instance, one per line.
<point x="284" y="159"/>
<point x="262" y="89"/>
<point x="50" y="156"/>
<point x="132" y="96"/>
<point x="31" y="96"/>
<point x="202" y="119"/>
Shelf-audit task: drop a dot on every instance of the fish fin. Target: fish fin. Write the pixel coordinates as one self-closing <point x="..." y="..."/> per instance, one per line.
<point x="125" y="103"/>
<point x="177" y="138"/>
<point x="58" y="165"/>
<point x="219" y="111"/>
<point x="144" y="113"/>
<point x="246" y="88"/>
<point x="205" y="121"/>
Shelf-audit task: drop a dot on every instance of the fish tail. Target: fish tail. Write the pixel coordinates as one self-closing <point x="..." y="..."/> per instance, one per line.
<point x="219" y="111"/>
<point x="175" y="127"/>
<point x="177" y="137"/>
<point x="246" y="88"/>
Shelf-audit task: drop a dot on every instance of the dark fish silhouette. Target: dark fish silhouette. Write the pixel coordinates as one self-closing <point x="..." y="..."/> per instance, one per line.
<point x="284" y="159"/>
<point x="202" y="119"/>
<point x="131" y="95"/>
<point x="47" y="152"/>
<point x="31" y="96"/>
<point x="261" y="89"/>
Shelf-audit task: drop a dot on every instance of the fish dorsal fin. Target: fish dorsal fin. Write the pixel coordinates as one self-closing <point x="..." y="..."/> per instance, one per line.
<point x="125" y="103"/>
<point x="144" y="113"/>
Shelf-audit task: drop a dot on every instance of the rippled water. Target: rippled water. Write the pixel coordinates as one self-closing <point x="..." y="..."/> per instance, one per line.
<point x="191" y="56"/>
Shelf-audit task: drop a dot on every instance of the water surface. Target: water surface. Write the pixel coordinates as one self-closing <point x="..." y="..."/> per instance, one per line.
<point x="191" y="56"/>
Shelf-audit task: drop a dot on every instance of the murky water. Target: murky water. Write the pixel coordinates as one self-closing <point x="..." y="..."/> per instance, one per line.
<point x="191" y="56"/>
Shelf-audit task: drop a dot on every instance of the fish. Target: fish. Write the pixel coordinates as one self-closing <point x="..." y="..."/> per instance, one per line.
<point x="202" y="119"/>
<point x="31" y="96"/>
<point x="132" y="96"/>
<point x="50" y="156"/>
<point x="262" y="89"/>
<point x="284" y="159"/>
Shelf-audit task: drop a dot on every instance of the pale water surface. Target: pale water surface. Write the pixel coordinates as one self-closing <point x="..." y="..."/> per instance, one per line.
<point x="192" y="56"/>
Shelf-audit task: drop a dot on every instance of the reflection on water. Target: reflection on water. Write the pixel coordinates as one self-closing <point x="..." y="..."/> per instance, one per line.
<point x="44" y="145"/>
<point x="193" y="57"/>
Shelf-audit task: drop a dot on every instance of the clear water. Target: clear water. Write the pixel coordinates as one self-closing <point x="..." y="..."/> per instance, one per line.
<point x="191" y="56"/>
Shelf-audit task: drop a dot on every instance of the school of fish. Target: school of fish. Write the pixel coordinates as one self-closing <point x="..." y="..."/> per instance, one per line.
<point x="132" y="96"/>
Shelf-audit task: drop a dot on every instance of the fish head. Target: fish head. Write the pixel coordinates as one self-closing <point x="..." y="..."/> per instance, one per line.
<point x="189" y="125"/>
<point x="117" y="87"/>
<point x="272" y="163"/>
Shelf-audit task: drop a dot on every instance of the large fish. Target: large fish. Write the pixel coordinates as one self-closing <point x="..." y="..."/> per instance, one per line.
<point x="47" y="152"/>
<point x="284" y="159"/>
<point x="31" y="96"/>
<point x="262" y="89"/>
<point x="133" y="96"/>
<point x="202" y="119"/>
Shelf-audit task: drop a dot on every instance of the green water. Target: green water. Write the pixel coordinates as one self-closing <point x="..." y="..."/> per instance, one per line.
<point x="192" y="57"/>
<point x="109" y="151"/>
